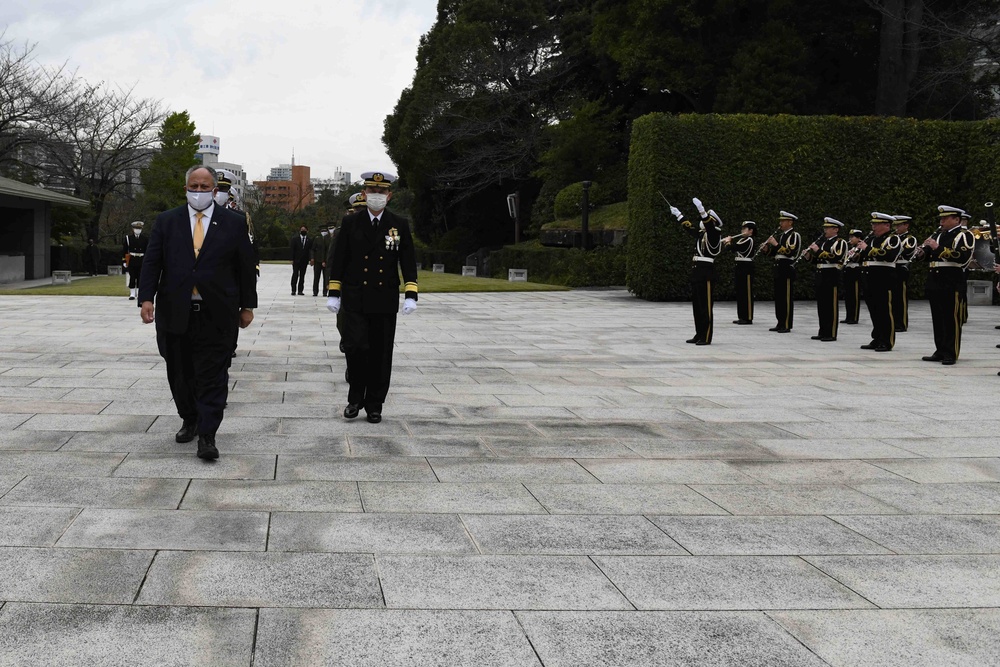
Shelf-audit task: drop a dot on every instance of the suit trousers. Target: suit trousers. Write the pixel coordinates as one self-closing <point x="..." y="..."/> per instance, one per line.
<point x="299" y="277"/>
<point x="852" y="293"/>
<point x="319" y="273"/>
<point x="784" y="300"/>
<point x="827" y="301"/>
<point x="134" y="271"/>
<point x="743" y="282"/>
<point x="368" y="341"/>
<point x="944" y="290"/>
<point x="901" y="297"/>
<point x="878" y="297"/>
<point x="702" y="275"/>
<point x="198" y="371"/>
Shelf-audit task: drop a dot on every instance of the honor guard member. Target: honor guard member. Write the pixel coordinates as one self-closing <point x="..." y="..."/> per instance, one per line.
<point x="901" y="292"/>
<point x="134" y="249"/>
<point x="878" y="258"/>
<point x="706" y="248"/>
<point x="743" y="246"/>
<point x="373" y="246"/>
<point x="828" y="255"/>
<point x="949" y="250"/>
<point x="785" y="244"/>
<point x="225" y="198"/>
<point x="852" y="278"/>
<point x="320" y="250"/>
<point x="966" y="220"/>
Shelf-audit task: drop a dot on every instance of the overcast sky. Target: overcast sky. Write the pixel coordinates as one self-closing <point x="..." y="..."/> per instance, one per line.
<point x="265" y="76"/>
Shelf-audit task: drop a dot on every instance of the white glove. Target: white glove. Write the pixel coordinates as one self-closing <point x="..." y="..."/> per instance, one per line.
<point x="333" y="304"/>
<point x="677" y="213"/>
<point x="701" y="208"/>
<point x="409" y="305"/>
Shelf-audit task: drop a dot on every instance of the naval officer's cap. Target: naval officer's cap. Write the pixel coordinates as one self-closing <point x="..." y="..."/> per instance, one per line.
<point x="785" y="215"/>
<point x="223" y="179"/>
<point x="881" y="217"/>
<point x="832" y="222"/>
<point x="378" y="179"/>
<point x="357" y="200"/>
<point x="901" y="220"/>
<point x="945" y="211"/>
<point x="138" y="224"/>
<point x="749" y="224"/>
<point x="712" y="215"/>
<point x="857" y="232"/>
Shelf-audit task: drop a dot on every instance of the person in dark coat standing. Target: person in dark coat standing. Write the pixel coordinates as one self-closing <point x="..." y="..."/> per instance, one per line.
<point x="133" y="251"/>
<point x="320" y="250"/>
<point x="744" y="246"/>
<point x="92" y="254"/>
<point x="373" y="246"/>
<point x="199" y="268"/>
<point x="301" y="246"/>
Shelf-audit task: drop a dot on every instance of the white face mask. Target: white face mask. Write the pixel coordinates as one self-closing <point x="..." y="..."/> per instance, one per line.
<point x="137" y="231"/>
<point x="199" y="201"/>
<point x="323" y="233"/>
<point x="221" y="198"/>
<point x="377" y="201"/>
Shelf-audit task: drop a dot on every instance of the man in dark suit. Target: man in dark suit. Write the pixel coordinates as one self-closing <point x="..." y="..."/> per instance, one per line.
<point x="373" y="245"/>
<point x="199" y="267"/>
<point x="301" y="246"/>
<point x="321" y="248"/>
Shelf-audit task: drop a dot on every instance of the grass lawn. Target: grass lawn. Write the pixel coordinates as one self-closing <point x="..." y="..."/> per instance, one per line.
<point x="428" y="281"/>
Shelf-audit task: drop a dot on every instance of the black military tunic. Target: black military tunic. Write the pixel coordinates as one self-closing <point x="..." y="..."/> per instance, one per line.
<point x="879" y="262"/>
<point x="743" y="278"/>
<point x="945" y="287"/>
<point x="706" y="249"/>
<point x="829" y="261"/>
<point x="852" y="286"/>
<point x="133" y="250"/>
<point x="785" y="254"/>
<point x="901" y="291"/>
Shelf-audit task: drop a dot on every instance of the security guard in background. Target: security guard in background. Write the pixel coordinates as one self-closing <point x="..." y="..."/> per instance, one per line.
<point x="852" y="278"/>
<point x="133" y="250"/>
<point x="320" y="250"/>
<point x="373" y="246"/>
<point x="878" y="258"/>
<point x="901" y="291"/>
<point x="786" y="248"/>
<point x="828" y="255"/>
<point x="706" y="248"/>
<point x="949" y="250"/>
<point x="743" y="274"/>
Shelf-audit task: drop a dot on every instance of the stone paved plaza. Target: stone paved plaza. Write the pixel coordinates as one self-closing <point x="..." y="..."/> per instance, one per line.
<point x="559" y="480"/>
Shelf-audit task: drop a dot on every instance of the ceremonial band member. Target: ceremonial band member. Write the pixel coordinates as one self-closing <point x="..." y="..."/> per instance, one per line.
<point x="200" y="270"/>
<point x="948" y="250"/>
<point x="852" y="278"/>
<point x="134" y="249"/>
<point x="373" y="246"/>
<point x="706" y="249"/>
<point x="743" y="275"/>
<point x="901" y="290"/>
<point x="828" y="256"/>
<point x="786" y="248"/>
<point x="878" y="257"/>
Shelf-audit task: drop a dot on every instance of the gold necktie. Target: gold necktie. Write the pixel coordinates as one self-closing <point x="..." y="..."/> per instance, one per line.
<point x="199" y="238"/>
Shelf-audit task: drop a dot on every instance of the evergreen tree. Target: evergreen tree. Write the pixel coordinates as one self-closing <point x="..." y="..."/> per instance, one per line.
<point x="163" y="179"/>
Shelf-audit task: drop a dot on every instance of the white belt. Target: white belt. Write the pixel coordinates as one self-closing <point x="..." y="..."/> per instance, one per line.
<point x="902" y="261"/>
<point x="956" y="265"/>
<point x="880" y="263"/>
<point x="828" y="266"/>
<point x="785" y="257"/>
<point x="703" y="259"/>
<point x="744" y="259"/>
<point x="136" y="254"/>
<point x="852" y="265"/>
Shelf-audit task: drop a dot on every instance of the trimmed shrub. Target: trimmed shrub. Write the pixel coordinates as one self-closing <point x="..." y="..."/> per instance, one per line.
<point x="600" y="267"/>
<point x="569" y="201"/>
<point x="749" y="167"/>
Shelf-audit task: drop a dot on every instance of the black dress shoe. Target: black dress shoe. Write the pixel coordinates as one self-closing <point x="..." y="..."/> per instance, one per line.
<point x="883" y="348"/>
<point x="783" y="330"/>
<point x="947" y="362"/>
<point x="351" y="411"/>
<point x="900" y="330"/>
<point x="742" y="321"/>
<point x="775" y="329"/>
<point x="691" y="340"/>
<point x="998" y="345"/>
<point x="186" y="434"/>
<point x="302" y="293"/>
<point x="206" y="447"/>
<point x="131" y="298"/>
<point x="703" y="342"/>
<point x="293" y="293"/>
<point x="932" y="357"/>
<point x="869" y="346"/>
<point x="815" y="337"/>
<point x="374" y="417"/>
<point x="827" y="339"/>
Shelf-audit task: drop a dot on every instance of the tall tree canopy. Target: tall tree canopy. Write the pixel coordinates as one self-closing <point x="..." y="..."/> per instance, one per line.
<point x="163" y="178"/>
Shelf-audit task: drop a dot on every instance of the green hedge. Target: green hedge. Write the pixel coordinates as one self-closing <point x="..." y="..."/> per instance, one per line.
<point x="749" y="167"/>
<point x="600" y="267"/>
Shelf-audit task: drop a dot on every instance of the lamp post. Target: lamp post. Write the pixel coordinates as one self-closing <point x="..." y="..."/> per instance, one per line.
<point x="585" y="220"/>
<point x="512" y="206"/>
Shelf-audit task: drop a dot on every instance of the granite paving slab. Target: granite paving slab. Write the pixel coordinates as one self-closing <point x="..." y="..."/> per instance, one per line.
<point x="898" y="638"/>
<point x="931" y="498"/>
<point x="665" y="472"/>
<point x="662" y="639"/>
<point x="34" y="440"/>
<point x="834" y="449"/>
<point x="388" y="446"/>
<point x="103" y="576"/>
<point x="390" y="638"/>
<point x="272" y="495"/>
<point x="763" y="499"/>
<point x="766" y="535"/>
<point x="945" y="471"/>
<point x="947" y="447"/>
<point x="68" y="464"/>
<point x="540" y="448"/>
<point x="62" y="635"/>
<point x="34" y="526"/>
<point x="568" y="535"/>
<point x="478" y="498"/>
<point x="622" y="499"/>
<point x="104" y="492"/>
<point x="815" y="472"/>
<point x="78" y="422"/>
<point x="496" y="582"/>
<point x="374" y="469"/>
<point x="369" y="533"/>
<point x="918" y="581"/>
<point x="234" y="579"/>
<point x="390" y="425"/>
<point x="187" y="466"/>
<point x="167" y="529"/>
<point x="938" y="534"/>
<point x="510" y="470"/>
<point x="725" y="582"/>
<point x="728" y="450"/>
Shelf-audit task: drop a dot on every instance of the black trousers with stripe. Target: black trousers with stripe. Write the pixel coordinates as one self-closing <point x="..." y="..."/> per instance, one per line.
<point x="784" y="300"/>
<point x="878" y="298"/>
<point x="852" y="293"/>
<point x="827" y="301"/>
<point x="901" y="297"/>
<point x="945" y="290"/>
<point x="702" y="276"/>
<point x="368" y="340"/>
<point x="743" y="279"/>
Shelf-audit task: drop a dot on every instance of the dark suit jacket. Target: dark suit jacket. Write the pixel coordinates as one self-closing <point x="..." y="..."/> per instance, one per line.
<point x="224" y="271"/>
<point x="301" y="254"/>
<point x="366" y="264"/>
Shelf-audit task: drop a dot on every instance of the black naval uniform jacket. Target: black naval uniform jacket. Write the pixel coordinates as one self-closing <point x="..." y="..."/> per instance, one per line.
<point x="134" y="246"/>
<point x="366" y="261"/>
